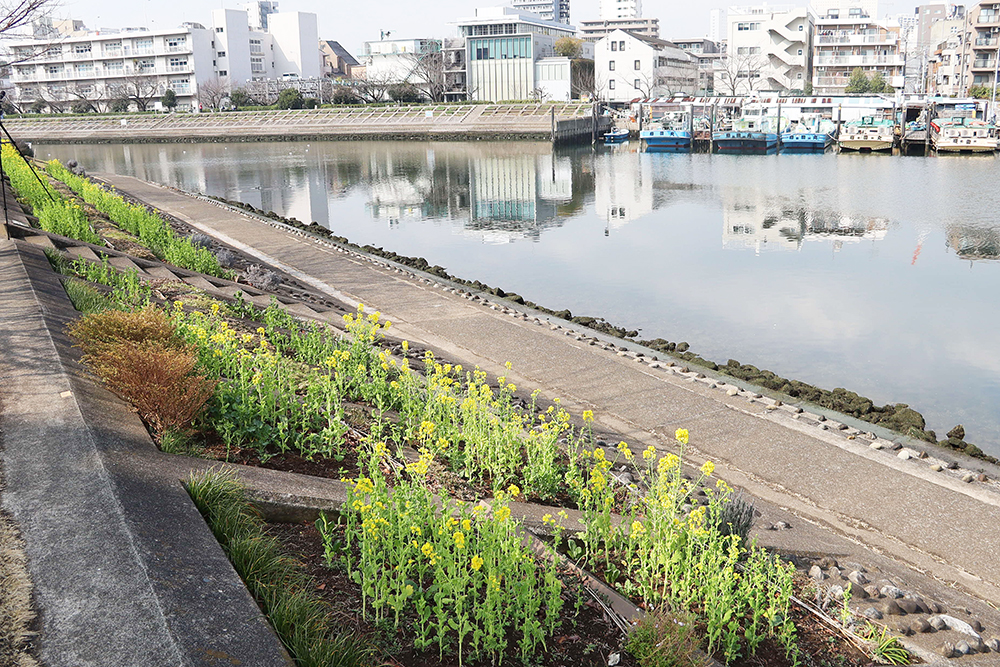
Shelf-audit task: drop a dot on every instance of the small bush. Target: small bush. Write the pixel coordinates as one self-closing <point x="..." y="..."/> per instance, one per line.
<point x="261" y="278"/>
<point x="158" y="380"/>
<point x="736" y="518"/>
<point x="664" y="640"/>
<point x="201" y="240"/>
<point x="226" y="258"/>
<point x="115" y="327"/>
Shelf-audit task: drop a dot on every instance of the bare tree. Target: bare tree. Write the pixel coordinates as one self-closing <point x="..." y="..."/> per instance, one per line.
<point x="15" y="14"/>
<point x="427" y="73"/>
<point x="137" y="88"/>
<point x="583" y="80"/>
<point x="212" y="91"/>
<point x="739" y="73"/>
<point x="374" y="88"/>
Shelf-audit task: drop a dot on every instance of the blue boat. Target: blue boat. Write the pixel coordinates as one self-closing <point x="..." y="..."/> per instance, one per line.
<point x="615" y="136"/>
<point x="670" y="133"/>
<point x="810" y="134"/>
<point x="752" y="134"/>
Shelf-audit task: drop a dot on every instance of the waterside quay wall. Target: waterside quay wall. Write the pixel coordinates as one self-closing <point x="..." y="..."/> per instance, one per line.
<point x="559" y="123"/>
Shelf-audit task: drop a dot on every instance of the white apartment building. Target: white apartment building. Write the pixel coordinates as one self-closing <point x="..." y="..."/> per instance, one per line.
<point x="717" y="25"/>
<point x="592" y="31"/>
<point x="621" y="9"/>
<point x="550" y="10"/>
<point x="849" y="38"/>
<point x="769" y="48"/>
<point x="99" y="66"/>
<point x="627" y="67"/>
<point x="257" y="13"/>
<point x="946" y="77"/>
<point x="503" y="46"/>
<point x="709" y="54"/>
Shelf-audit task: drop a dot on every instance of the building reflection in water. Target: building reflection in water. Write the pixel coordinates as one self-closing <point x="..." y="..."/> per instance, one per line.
<point x="623" y="188"/>
<point x="766" y="224"/>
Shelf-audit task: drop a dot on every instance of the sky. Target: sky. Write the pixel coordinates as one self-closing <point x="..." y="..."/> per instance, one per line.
<point x="354" y="23"/>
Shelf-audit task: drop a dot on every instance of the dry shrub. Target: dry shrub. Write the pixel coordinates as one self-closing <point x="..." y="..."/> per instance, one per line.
<point x="159" y="380"/>
<point x="664" y="639"/>
<point x="113" y="327"/>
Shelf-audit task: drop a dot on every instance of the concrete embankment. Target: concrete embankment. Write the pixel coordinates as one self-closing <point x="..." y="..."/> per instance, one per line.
<point x="827" y="472"/>
<point x="559" y="123"/>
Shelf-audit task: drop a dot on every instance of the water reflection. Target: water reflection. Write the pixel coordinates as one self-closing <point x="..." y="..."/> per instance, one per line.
<point x="766" y="224"/>
<point x="974" y="243"/>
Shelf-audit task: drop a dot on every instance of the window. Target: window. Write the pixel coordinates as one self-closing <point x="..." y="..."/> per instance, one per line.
<point x="223" y="72"/>
<point x="747" y="26"/>
<point x="178" y="63"/>
<point x="175" y="43"/>
<point x="611" y="65"/>
<point x="257" y="64"/>
<point x="614" y="46"/>
<point x="621" y="45"/>
<point x="221" y="54"/>
<point x="81" y="49"/>
<point x="611" y="84"/>
<point x="220" y="30"/>
<point x="638" y="64"/>
<point x="800" y="52"/>
<point x="638" y="84"/>
<point x="255" y="46"/>
<point x="800" y="27"/>
<point x="747" y="50"/>
<point x="114" y="66"/>
<point x="145" y="65"/>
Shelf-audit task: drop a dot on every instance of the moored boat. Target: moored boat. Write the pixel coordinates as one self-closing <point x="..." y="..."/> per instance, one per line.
<point x="963" y="135"/>
<point x="809" y="134"/>
<point x="615" y="136"/>
<point x="868" y="134"/>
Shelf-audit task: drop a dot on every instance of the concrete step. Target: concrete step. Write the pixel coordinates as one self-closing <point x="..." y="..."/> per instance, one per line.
<point x="161" y="272"/>
<point x="299" y="309"/>
<point x="262" y="300"/>
<point x="83" y="251"/>
<point x="200" y="283"/>
<point x="124" y="263"/>
<point x="228" y="290"/>
<point x="39" y="240"/>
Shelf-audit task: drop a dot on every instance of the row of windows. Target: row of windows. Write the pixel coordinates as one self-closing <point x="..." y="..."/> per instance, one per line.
<point x="747" y="50"/>
<point x="500" y="49"/>
<point x="747" y="26"/>
<point x="611" y="65"/>
<point x="618" y="46"/>
<point x="637" y="85"/>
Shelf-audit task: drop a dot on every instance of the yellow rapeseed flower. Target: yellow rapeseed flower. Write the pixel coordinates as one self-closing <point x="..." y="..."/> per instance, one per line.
<point x="649" y="453"/>
<point x="466" y="525"/>
<point x="503" y="514"/>
<point x="707" y="468"/>
<point x="459" y="540"/>
<point x="513" y="490"/>
<point x="588" y="416"/>
<point x="477" y="562"/>
<point x="681" y="435"/>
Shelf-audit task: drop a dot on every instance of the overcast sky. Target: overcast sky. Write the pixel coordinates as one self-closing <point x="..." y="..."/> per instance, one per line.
<point x="353" y="23"/>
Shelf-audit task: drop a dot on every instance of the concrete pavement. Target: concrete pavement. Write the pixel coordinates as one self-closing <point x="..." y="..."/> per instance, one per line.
<point x="825" y="473"/>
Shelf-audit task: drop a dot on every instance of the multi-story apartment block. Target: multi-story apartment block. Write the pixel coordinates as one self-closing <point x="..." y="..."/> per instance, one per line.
<point x="946" y="74"/>
<point x="505" y="47"/>
<point x="717" y="25"/>
<point x="627" y="67"/>
<point x="139" y="65"/>
<point x="392" y="61"/>
<point x="708" y="53"/>
<point x="621" y="9"/>
<point x="550" y="10"/>
<point x="592" y="31"/>
<point x="848" y="38"/>
<point x="258" y="11"/>
<point x="982" y="35"/>
<point x="769" y="49"/>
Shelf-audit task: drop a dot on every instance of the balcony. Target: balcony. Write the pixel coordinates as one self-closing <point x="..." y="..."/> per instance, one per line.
<point x="857" y="39"/>
<point x="112" y="53"/>
<point x="179" y="68"/>
<point x="178" y="48"/>
<point x="987" y="41"/>
<point x="895" y="60"/>
<point x="988" y="19"/>
<point x="832" y="81"/>
<point x="984" y="63"/>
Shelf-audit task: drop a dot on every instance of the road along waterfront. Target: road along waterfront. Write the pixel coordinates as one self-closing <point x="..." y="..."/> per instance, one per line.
<point x="874" y="274"/>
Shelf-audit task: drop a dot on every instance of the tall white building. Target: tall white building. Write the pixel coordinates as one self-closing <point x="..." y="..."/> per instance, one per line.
<point x="769" y="49"/>
<point x="99" y="67"/>
<point x="621" y="9"/>
<point x="550" y="10"/>
<point x="592" y="31"/>
<point x="717" y="25"/>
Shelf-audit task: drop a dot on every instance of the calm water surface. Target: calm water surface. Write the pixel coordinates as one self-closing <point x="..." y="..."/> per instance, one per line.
<point x="875" y="273"/>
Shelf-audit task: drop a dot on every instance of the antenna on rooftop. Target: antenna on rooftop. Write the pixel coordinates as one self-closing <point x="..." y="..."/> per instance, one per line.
<point x="385" y="33"/>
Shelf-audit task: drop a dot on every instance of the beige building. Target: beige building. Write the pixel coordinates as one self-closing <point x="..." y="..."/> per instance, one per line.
<point x="849" y="38"/>
<point x="982" y="34"/>
<point x="592" y="31"/>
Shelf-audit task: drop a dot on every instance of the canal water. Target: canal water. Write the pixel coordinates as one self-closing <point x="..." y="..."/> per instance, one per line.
<point x="875" y="273"/>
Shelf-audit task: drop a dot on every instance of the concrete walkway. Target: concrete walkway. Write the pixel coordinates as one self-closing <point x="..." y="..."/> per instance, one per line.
<point x="825" y="473"/>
